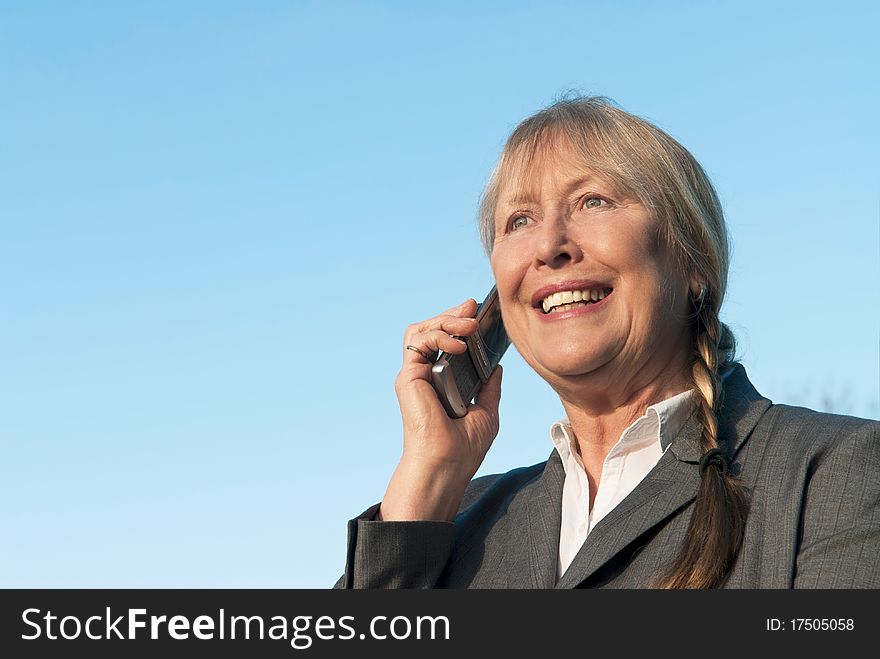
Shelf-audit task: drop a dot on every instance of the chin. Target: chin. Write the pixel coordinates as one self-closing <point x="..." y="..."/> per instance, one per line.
<point x="563" y="364"/>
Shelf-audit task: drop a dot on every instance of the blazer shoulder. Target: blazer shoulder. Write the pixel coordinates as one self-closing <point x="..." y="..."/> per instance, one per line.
<point x="822" y="418"/>
<point x="491" y="485"/>
<point x="832" y="473"/>
<point x="801" y="433"/>
<point x="819" y="427"/>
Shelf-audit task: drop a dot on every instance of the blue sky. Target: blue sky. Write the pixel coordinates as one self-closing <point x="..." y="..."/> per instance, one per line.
<point x="219" y="217"/>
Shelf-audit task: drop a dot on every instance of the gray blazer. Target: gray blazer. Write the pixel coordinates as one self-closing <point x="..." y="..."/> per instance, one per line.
<point x="814" y="521"/>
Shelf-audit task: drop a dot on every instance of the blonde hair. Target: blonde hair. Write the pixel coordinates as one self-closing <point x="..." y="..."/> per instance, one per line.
<point x="645" y="162"/>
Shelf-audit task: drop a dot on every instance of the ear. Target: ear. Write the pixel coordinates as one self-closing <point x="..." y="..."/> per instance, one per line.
<point x="696" y="283"/>
<point x="698" y="290"/>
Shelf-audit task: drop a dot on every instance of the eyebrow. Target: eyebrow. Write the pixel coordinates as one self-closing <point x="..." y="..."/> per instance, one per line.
<point x="521" y="197"/>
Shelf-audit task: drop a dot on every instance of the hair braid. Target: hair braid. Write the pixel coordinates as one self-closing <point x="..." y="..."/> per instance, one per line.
<point x="718" y="521"/>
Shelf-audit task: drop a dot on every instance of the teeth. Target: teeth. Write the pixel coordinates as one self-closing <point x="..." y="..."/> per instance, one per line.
<point x="566" y="300"/>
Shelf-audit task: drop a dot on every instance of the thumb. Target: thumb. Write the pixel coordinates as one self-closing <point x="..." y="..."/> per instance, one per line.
<point x="482" y="417"/>
<point x="490" y="393"/>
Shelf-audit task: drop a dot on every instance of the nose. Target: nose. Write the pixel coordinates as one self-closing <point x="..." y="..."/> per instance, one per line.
<point x="555" y="248"/>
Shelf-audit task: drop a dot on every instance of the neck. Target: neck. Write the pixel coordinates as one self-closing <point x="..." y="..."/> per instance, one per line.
<point x="600" y="406"/>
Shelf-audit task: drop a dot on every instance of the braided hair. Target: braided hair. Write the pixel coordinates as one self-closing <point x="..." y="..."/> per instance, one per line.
<point x="718" y="521"/>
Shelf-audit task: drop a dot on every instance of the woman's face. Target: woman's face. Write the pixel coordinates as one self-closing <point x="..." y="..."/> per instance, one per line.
<point x="568" y="236"/>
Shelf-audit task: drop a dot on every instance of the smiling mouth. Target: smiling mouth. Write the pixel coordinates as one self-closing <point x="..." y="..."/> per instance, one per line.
<point x="568" y="300"/>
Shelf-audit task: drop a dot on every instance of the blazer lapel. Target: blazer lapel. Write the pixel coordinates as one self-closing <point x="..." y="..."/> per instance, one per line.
<point x="672" y="484"/>
<point x="742" y="408"/>
<point x="544" y="522"/>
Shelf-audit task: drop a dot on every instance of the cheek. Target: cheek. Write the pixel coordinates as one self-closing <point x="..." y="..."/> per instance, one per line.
<point x="626" y="250"/>
<point x="629" y="247"/>
<point x="666" y="293"/>
<point x="508" y="267"/>
<point x="639" y="255"/>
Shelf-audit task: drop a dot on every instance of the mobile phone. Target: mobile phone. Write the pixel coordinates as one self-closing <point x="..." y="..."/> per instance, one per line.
<point x="456" y="378"/>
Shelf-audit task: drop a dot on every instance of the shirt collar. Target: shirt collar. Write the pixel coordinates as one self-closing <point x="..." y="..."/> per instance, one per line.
<point x="667" y="417"/>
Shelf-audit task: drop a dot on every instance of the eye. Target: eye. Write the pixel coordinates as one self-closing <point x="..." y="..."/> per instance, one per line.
<point x="592" y="201"/>
<point x="519" y="222"/>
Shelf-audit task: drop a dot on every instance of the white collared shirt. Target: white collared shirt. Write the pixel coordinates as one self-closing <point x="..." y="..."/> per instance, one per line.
<point x="637" y="451"/>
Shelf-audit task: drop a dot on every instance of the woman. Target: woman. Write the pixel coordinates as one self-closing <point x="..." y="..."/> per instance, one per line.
<point x="610" y="255"/>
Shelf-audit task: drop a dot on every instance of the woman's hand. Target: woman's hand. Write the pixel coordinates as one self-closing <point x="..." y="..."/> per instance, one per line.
<point x="440" y="454"/>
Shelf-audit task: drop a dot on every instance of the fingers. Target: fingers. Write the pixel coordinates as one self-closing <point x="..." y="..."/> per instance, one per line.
<point x="452" y="325"/>
<point x="424" y="355"/>
<point x="423" y="347"/>
<point x="422" y="341"/>
<point x="466" y="309"/>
